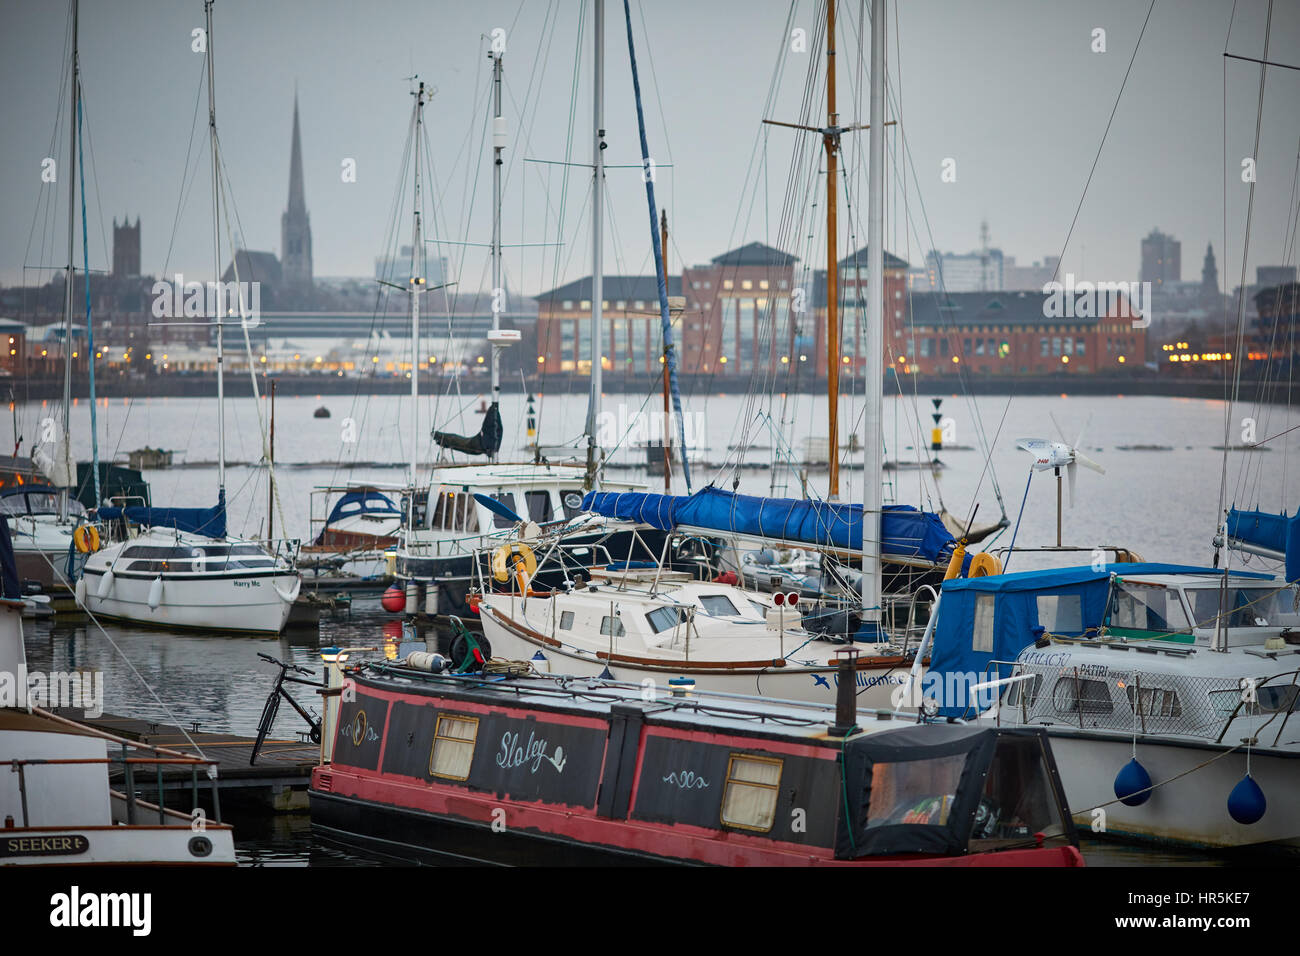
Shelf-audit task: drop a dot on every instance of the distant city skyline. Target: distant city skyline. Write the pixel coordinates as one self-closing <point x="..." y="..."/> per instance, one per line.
<point x="1023" y="137"/>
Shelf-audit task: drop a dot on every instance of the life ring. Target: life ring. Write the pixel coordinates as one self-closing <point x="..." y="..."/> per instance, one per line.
<point x="509" y="557"/>
<point x="984" y="565"/>
<point x="86" y="538"/>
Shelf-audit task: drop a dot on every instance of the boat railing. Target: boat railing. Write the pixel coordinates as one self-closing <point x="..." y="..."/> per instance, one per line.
<point x="1122" y="555"/>
<point x="713" y="702"/>
<point x="1139" y="701"/>
<point x="910" y="626"/>
<point x="160" y="759"/>
<point x="286" y="548"/>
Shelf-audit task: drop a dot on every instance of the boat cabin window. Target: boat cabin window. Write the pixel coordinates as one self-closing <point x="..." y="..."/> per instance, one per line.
<point x="566" y="620"/>
<point x="1075" y="695"/>
<point x="612" y="626"/>
<point x="718" y="605"/>
<point x="663" y="618"/>
<point x="1144" y="607"/>
<point x="1256" y="700"/>
<point x="750" y="795"/>
<point x="982" y="633"/>
<point x="1061" y="613"/>
<point x="1245" y="607"/>
<point x="506" y="498"/>
<point x="154" y="559"/>
<point x="913" y="791"/>
<point x="421" y="510"/>
<point x="539" y="504"/>
<point x="1019" y="800"/>
<point x="1024" y="692"/>
<point x="36" y="503"/>
<point x="222" y="557"/>
<point x="453" y="746"/>
<point x="1153" y="701"/>
<point x="455" y="511"/>
<point x="571" y="499"/>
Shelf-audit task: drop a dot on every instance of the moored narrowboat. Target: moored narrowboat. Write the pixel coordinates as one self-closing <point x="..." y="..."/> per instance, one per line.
<point x="540" y="769"/>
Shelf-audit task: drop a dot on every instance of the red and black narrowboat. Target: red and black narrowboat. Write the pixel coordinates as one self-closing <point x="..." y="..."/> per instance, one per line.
<point x="540" y="769"/>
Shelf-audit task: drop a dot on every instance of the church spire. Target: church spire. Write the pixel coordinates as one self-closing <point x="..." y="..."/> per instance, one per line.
<point x="295" y="224"/>
<point x="297" y="203"/>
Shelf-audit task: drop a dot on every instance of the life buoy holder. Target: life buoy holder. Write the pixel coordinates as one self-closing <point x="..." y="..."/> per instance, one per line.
<point x="86" y="538"/>
<point x="984" y="565"/>
<point x="514" y="557"/>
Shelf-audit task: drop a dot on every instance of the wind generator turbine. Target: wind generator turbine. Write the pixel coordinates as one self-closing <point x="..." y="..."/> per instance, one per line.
<point x="1057" y="455"/>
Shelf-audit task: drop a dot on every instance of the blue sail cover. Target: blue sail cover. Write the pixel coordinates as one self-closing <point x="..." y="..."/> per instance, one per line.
<point x="368" y="502"/>
<point x="905" y="531"/>
<point x="1266" y="530"/>
<point x="958" y="657"/>
<point x="210" y="522"/>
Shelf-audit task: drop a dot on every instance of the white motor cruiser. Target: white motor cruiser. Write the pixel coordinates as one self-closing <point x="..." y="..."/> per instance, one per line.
<point x="638" y="624"/>
<point x="1171" y="720"/>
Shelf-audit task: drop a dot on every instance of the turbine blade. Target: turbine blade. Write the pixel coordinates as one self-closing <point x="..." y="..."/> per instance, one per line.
<point x="1058" y="425"/>
<point x="1070" y="469"/>
<point x="1088" y="463"/>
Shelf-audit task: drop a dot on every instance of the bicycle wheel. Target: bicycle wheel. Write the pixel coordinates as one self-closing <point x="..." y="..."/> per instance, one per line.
<point x="264" y="725"/>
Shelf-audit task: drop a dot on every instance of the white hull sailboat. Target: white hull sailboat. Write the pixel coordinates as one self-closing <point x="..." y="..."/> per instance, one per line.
<point x="180" y="569"/>
<point x="177" y="580"/>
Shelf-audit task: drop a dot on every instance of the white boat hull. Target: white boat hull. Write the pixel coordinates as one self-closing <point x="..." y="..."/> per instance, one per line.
<point x="816" y="684"/>
<point x="251" y="603"/>
<point x="1190" y="811"/>
<point x="131" y="845"/>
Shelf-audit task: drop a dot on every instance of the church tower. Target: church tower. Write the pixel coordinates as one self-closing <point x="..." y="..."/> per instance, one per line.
<point x="295" y="224"/>
<point x="1210" y="298"/>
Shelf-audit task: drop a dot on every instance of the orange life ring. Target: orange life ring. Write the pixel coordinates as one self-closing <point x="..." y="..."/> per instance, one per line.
<point x="86" y="538"/>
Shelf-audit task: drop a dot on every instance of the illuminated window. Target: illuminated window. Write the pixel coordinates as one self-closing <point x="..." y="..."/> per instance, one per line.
<point x="453" y="747"/>
<point x="749" y="799"/>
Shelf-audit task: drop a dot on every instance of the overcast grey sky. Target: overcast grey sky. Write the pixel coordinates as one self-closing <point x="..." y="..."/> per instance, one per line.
<point x="1010" y="89"/>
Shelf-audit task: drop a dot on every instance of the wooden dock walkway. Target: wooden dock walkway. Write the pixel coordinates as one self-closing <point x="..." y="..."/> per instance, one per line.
<point x="277" y="782"/>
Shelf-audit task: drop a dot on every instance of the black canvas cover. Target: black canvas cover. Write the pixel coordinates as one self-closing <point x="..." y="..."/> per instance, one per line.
<point x="486" y="442"/>
<point x="881" y="761"/>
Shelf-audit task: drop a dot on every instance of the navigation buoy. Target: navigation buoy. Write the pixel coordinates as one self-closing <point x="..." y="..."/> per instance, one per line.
<point x="155" y="593"/>
<point x="1133" y="784"/>
<point x="321" y="412"/>
<point x="394" y="599"/>
<point x="1246" y="803"/>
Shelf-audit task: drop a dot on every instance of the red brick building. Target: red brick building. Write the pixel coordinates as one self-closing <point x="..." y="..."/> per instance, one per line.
<point x="1014" y="333"/>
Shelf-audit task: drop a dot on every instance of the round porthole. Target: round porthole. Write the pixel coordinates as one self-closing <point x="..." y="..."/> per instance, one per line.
<point x="200" y="846"/>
